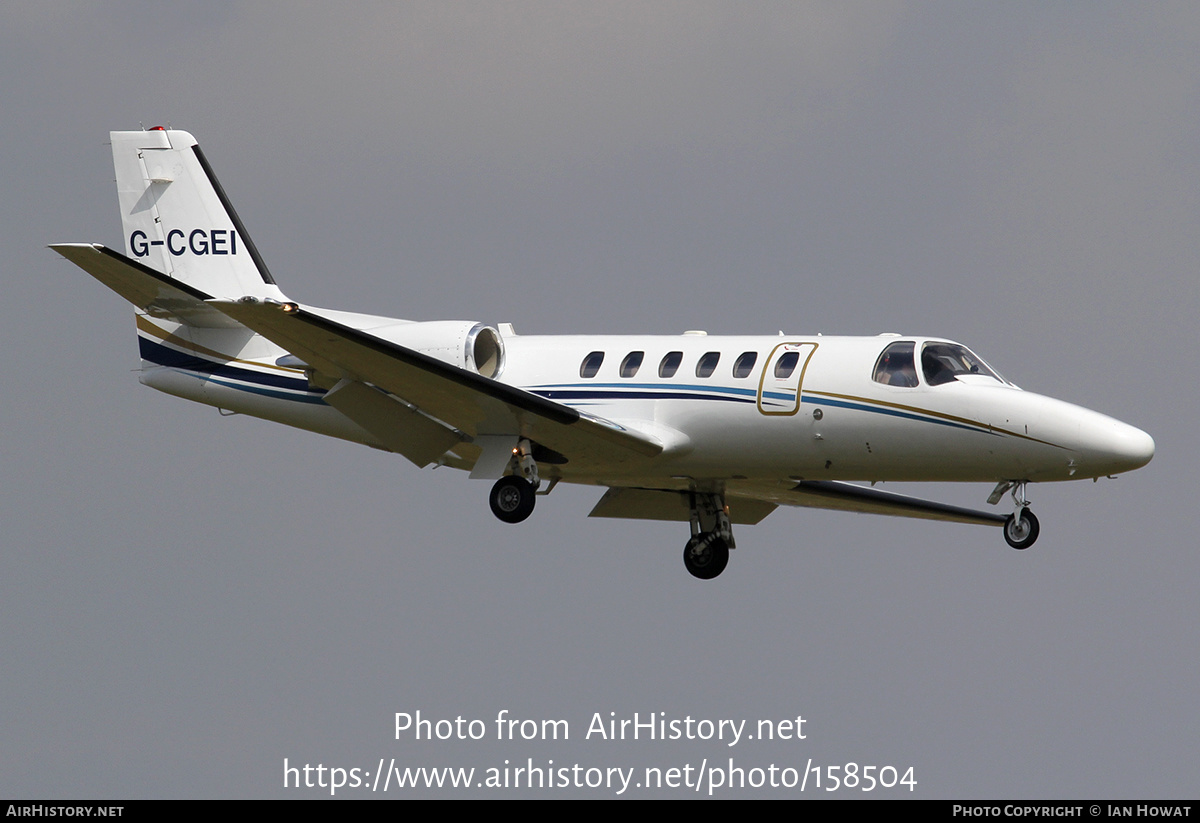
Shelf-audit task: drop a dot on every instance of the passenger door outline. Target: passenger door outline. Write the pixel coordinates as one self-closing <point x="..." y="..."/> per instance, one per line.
<point x="790" y="385"/>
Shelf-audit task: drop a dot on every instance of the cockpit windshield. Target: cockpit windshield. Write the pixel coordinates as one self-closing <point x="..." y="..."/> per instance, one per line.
<point x="945" y="362"/>
<point x="895" y="367"/>
<point x="940" y="363"/>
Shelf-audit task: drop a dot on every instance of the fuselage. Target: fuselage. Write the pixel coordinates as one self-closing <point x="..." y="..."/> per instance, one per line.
<point x="754" y="408"/>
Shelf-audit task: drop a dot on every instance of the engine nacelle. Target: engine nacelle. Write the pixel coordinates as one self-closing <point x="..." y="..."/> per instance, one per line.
<point x="472" y="346"/>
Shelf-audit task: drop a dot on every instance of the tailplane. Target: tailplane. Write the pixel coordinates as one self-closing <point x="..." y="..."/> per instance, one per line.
<point x="177" y="219"/>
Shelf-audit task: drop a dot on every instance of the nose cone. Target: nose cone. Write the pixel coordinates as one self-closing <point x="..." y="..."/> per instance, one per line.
<point x="1129" y="448"/>
<point x="1068" y="442"/>
<point x="1112" y="447"/>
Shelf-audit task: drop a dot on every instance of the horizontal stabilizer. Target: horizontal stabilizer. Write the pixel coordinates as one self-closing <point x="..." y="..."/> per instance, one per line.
<point x="153" y="292"/>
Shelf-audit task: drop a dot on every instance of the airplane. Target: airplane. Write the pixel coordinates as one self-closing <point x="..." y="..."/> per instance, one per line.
<point x="714" y="431"/>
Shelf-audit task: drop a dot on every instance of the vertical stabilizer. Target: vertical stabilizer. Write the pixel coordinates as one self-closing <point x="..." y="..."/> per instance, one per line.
<point x="177" y="219"/>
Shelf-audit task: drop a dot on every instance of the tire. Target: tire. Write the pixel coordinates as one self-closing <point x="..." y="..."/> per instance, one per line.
<point x="512" y="499"/>
<point x="707" y="562"/>
<point x="1021" y="535"/>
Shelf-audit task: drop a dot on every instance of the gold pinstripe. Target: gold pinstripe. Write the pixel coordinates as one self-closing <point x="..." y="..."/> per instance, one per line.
<point x="162" y="334"/>
<point x="950" y="417"/>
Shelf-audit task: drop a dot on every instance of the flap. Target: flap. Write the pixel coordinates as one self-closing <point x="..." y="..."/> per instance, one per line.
<point x="659" y="504"/>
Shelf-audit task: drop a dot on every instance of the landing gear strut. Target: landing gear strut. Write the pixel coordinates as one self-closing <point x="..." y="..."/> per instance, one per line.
<point x="1021" y="529"/>
<point x="707" y="552"/>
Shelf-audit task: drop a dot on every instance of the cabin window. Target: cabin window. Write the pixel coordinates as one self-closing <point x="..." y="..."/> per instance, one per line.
<point x="631" y="363"/>
<point x="944" y="362"/>
<point x="895" y="366"/>
<point x="786" y="364"/>
<point x="591" y="364"/>
<point x="670" y="364"/>
<point x="708" y="364"/>
<point x="744" y="364"/>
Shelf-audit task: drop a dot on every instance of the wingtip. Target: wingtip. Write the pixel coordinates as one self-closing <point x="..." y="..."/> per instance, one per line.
<point x="58" y="247"/>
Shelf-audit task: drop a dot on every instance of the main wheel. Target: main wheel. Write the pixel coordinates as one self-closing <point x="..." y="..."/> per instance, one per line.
<point x="705" y="561"/>
<point x="512" y="499"/>
<point x="1022" y="533"/>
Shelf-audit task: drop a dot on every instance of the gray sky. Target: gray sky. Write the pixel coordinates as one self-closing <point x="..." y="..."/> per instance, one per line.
<point x="187" y="600"/>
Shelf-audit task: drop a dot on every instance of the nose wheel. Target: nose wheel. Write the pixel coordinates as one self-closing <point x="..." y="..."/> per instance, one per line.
<point x="1021" y="529"/>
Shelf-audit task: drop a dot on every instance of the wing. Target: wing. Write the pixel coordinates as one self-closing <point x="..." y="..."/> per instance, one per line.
<point x="828" y="494"/>
<point x="749" y="503"/>
<point x="472" y="406"/>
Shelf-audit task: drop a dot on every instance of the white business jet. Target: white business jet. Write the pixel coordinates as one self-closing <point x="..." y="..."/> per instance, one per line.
<point x="713" y="431"/>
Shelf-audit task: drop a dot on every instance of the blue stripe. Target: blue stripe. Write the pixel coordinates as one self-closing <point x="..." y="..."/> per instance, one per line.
<point x="278" y="395"/>
<point x="638" y="391"/>
<point x="268" y="385"/>
<point x="695" y="387"/>
<point x="563" y="395"/>
<point x="651" y="391"/>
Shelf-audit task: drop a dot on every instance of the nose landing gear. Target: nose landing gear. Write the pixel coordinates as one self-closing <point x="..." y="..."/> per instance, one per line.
<point x="1021" y="529"/>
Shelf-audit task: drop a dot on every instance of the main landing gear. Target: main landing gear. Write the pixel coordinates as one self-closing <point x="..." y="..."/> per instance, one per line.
<point x="707" y="552"/>
<point x="1021" y="529"/>
<point x="512" y="499"/>
<point x="706" y="555"/>
<point x="513" y="496"/>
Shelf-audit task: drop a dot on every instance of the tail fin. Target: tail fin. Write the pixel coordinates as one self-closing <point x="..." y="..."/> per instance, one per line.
<point x="177" y="219"/>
